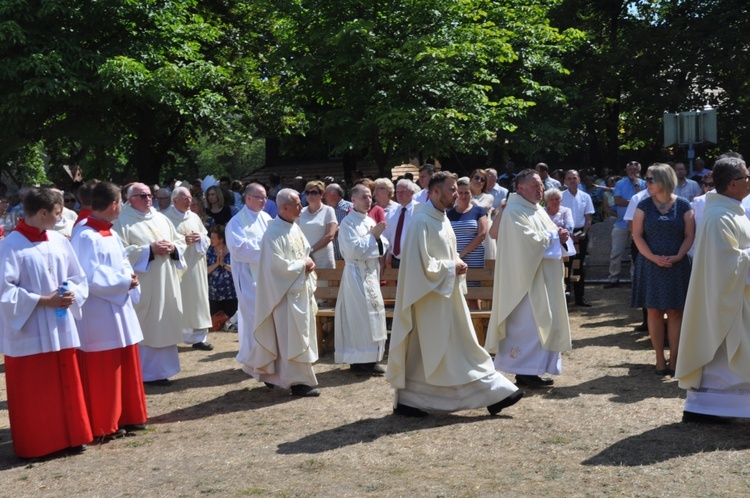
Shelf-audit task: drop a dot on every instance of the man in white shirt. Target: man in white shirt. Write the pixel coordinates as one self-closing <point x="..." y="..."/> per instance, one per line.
<point x="425" y="173"/>
<point x="398" y="221"/>
<point x="583" y="210"/>
<point x="548" y="181"/>
<point x="499" y="193"/>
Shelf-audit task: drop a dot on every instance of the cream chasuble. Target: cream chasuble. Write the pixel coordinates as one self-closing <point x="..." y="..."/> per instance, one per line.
<point x="717" y="309"/>
<point x="285" y="337"/>
<point x="159" y="309"/>
<point x="360" y="331"/>
<point x="435" y="361"/>
<point x="522" y="270"/>
<point x="196" y="313"/>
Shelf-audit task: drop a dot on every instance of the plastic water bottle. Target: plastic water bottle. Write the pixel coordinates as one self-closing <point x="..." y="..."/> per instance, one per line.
<point x="62" y="312"/>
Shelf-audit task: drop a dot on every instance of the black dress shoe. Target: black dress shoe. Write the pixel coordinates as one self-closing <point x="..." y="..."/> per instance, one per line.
<point x="134" y="427"/>
<point x="583" y="303"/>
<point x="76" y="450"/>
<point x="115" y="435"/>
<point x="611" y="285"/>
<point x="269" y="385"/>
<point x="159" y="382"/>
<point x="370" y="368"/>
<point x="702" y="418"/>
<point x="203" y="346"/>
<point x="534" y="381"/>
<point x="505" y="403"/>
<point x="642" y="327"/>
<point x="304" y="391"/>
<point x="409" y="411"/>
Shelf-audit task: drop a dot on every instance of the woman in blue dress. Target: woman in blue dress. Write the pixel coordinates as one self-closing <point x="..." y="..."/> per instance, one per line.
<point x="221" y="293"/>
<point x="663" y="230"/>
<point x="469" y="223"/>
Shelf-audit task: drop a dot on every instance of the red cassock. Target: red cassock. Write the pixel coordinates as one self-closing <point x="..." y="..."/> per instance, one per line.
<point x="113" y="388"/>
<point x="46" y="406"/>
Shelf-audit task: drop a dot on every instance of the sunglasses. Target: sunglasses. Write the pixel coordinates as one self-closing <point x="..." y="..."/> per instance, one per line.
<point x="649" y="179"/>
<point x="142" y="196"/>
<point x="741" y="177"/>
<point x="70" y="200"/>
<point x="708" y="184"/>
<point x="480" y="178"/>
<point x="312" y="192"/>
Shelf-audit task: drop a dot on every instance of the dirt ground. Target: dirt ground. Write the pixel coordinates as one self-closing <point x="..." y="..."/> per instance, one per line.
<point x="609" y="427"/>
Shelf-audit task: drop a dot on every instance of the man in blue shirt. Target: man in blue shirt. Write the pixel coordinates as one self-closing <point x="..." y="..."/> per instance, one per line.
<point x="624" y="190"/>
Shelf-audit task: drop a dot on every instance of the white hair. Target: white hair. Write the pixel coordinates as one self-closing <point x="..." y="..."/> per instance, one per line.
<point x="179" y="190"/>
<point x="409" y="184"/>
<point x="133" y="186"/>
<point x="553" y="192"/>
<point x="285" y="197"/>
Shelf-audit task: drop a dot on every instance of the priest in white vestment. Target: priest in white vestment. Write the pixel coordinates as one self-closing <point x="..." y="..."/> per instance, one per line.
<point x="243" y="235"/>
<point x="109" y="329"/>
<point x="529" y="325"/>
<point x="435" y="362"/>
<point x="714" y="360"/>
<point x="359" y="322"/>
<point x="285" y="337"/>
<point x="196" y="314"/>
<point x="156" y="253"/>
<point x="38" y="334"/>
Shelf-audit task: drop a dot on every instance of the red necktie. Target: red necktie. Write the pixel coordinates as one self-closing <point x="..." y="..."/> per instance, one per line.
<point x="399" y="229"/>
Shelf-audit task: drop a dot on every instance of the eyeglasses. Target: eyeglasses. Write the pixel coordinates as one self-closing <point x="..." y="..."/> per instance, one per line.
<point x="708" y="184"/>
<point x="649" y="179"/>
<point x="261" y="197"/>
<point x="742" y="177"/>
<point x="70" y="200"/>
<point x="480" y="178"/>
<point x="142" y="196"/>
<point x="312" y="192"/>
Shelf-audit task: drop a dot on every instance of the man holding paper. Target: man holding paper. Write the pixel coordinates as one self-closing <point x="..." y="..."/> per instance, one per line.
<point x="529" y="323"/>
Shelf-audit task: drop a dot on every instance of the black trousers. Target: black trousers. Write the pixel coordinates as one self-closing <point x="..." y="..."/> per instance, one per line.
<point x="578" y="287"/>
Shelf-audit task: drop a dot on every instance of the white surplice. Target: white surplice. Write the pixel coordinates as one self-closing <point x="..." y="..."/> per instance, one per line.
<point x="108" y="320"/>
<point x="435" y="362"/>
<point x="285" y="337"/>
<point x="359" y="322"/>
<point x="29" y="271"/>
<point x="243" y="235"/>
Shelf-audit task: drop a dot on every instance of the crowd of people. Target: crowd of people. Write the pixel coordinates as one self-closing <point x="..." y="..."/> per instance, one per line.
<point x="99" y="288"/>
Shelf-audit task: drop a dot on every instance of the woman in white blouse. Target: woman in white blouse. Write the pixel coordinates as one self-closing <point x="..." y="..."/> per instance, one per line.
<point x="318" y="223"/>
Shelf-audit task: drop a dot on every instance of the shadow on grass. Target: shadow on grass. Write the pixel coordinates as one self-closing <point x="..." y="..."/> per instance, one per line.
<point x="674" y="441"/>
<point x="239" y="400"/>
<point x="627" y="339"/>
<point x="212" y="379"/>
<point x="639" y="384"/>
<point x="369" y="430"/>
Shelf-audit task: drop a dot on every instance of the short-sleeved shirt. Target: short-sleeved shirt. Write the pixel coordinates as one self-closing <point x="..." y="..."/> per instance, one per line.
<point x="314" y="225"/>
<point x="625" y="189"/>
<point x="580" y="204"/>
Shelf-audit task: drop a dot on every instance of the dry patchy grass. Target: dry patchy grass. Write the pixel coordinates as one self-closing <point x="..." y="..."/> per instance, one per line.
<point x="610" y="427"/>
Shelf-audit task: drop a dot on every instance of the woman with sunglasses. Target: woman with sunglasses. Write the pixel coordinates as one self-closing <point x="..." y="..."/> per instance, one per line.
<point x="663" y="231"/>
<point x="318" y="223"/>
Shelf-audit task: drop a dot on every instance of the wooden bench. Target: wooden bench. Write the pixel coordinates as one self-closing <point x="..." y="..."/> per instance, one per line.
<point x="479" y="299"/>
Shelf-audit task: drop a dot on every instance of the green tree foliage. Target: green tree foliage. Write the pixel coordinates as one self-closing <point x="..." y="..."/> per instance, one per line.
<point x="393" y="78"/>
<point x="139" y="79"/>
<point x="644" y="58"/>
